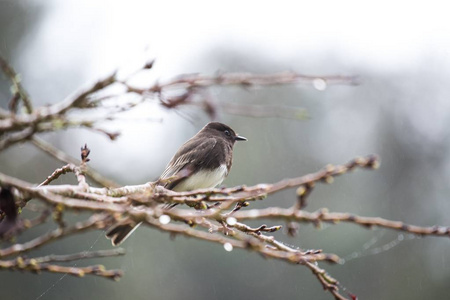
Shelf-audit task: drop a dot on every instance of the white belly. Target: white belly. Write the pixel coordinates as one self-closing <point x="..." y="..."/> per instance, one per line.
<point x="202" y="180"/>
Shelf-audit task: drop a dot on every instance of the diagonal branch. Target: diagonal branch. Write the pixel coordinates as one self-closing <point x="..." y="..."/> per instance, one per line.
<point x="17" y="89"/>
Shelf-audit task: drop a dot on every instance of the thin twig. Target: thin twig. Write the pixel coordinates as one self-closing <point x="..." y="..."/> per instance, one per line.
<point x="17" y="88"/>
<point x="58" y="172"/>
<point x="80" y="255"/>
<point x="62" y="156"/>
<point x="328" y="283"/>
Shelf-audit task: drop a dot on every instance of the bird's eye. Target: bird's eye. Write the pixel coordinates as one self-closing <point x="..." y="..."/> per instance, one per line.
<point x="227" y="133"/>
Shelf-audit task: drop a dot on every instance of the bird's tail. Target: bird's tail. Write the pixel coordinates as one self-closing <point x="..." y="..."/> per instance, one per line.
<point x="120" y="232"/>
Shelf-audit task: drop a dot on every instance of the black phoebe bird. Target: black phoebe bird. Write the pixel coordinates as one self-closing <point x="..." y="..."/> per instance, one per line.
<point x="204" y="161"/>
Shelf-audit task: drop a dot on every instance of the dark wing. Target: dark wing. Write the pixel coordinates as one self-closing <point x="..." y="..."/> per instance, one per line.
<point x="186" y="160"/>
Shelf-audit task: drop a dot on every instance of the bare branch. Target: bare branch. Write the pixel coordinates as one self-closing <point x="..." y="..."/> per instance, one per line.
<point x="322" y="215"/>
<point x="78" y="99"/>
<point x="32" y="265"/>
<point x="246" y="79"/>
<point x="328" y="283"/>
<point x="95" y="222"/>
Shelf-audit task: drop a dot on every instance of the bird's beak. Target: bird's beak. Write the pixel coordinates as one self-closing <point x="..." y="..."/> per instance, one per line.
<point x="240" y="138"/>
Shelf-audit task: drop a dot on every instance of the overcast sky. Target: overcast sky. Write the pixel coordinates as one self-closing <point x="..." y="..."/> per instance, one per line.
<point x="384" y="34"/>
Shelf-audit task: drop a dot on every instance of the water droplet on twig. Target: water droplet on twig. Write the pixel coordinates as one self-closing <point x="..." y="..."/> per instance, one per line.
<point x="231" y="221"/>
<point x="228" y="247"/>
<point x="164" y="219"/>
<point x="320" y="84"/>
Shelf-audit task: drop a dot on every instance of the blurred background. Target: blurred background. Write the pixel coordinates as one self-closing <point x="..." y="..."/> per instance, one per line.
<point x="401" y="111"/>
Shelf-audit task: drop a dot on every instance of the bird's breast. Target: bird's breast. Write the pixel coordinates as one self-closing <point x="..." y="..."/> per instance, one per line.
<point x="202" y="179"/>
